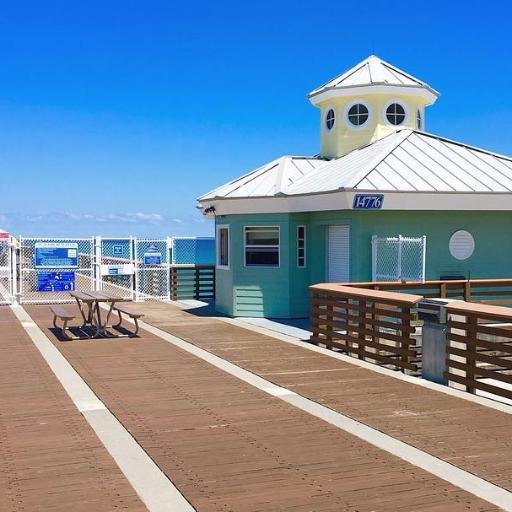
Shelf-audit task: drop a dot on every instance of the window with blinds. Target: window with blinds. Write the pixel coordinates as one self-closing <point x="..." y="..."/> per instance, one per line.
<point x="262" y="246"/>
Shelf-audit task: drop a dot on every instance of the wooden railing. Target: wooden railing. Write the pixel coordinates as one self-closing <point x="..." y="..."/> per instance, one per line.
<point x="480" y="348"/>
<point x="368" y="324"/>
<point x="489" y="291"/>
<point x="192" y="282"/>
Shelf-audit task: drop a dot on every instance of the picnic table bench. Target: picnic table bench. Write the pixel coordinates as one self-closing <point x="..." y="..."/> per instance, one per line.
<point x="89" y="306"/>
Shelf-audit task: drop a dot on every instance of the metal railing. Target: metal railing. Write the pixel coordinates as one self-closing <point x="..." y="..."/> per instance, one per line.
<point x="376" y="326"/>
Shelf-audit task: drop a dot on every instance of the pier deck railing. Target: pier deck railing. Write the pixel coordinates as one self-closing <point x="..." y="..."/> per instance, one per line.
<point x="192" y="282"/>
<point x="372" y="325"/>
<point x="479" y="351"/>
<point x="488" y="291"/>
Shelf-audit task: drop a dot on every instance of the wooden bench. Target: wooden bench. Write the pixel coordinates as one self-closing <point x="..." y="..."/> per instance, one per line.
<point x="65" y="316"/>
<point x="134" y="315"/>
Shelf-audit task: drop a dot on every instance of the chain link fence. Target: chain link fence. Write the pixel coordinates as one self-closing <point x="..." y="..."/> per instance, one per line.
<point x="134" y="268"/>
<point x="7" y="265"/>
<point x="152" y="268"/>
<point x="187" y="251"/>
<point x="115" y="272"/>
<point x="398" y="258"/>
<point x="52" y="267"/>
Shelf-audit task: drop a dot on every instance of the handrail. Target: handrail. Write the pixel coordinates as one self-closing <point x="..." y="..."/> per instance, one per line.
<point x="368" y="324"/>
<point x="489" y="311"/>
<point x="349" y="291"/>
<point x="479" y="348"/>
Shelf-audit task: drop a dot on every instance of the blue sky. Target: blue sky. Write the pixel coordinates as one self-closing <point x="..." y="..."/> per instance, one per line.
<point x="115" y="116"/>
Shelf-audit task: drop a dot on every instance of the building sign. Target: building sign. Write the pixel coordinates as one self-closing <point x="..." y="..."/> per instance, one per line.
<point x="55" y="281"/>
<point x="152" y="258"/>
<point x="368" y="201"/>
<point x="117" y="250"/>
<point x="126" y="269"/>
<point x="56" y="254"/>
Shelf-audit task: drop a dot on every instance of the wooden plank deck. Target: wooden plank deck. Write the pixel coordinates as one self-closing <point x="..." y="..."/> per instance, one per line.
<point x="230" y="447"/>
<point x="50" y="459"/>
<point x="473" y="437"/>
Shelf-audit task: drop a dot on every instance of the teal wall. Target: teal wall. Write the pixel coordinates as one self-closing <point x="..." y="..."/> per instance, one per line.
<point x="283" y="292"/>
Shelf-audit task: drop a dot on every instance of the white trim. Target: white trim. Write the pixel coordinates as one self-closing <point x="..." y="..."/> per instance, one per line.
<point x="297" y="246"/>
<point x="406" y="90"/>
<point x="343" y="200"/>
<point x="324" y="119"/>
<point x="278" y="245"/>
<point x="406" y="108"/>
<point x="348" y="106"/>
<point x="217" y="247"/>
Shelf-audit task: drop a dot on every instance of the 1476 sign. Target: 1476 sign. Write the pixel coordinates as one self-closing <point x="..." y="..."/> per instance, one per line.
<point x="368" y="201"/>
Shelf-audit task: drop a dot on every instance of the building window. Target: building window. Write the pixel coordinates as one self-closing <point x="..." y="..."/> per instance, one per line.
<point x="418" y="119"/>
<point x="301" y="246"/>
<point x="330" y="119"/>
<point x="358" y="114"/>
<point x="395" y="114"/>
<point x="262" y="246"/>
<point x="223" y="246"/>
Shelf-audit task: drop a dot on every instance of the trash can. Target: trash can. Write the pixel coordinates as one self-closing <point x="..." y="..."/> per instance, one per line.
<point x="434" y="338"/>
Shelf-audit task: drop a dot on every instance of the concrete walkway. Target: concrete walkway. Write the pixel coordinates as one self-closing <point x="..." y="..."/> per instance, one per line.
<point x="227" y="445"/>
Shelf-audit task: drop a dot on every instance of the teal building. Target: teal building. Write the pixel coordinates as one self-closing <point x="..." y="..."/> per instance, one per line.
<point x="384" y="199"/>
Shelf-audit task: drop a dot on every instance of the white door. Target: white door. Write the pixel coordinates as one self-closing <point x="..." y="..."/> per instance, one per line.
<point x="338" y="254"/>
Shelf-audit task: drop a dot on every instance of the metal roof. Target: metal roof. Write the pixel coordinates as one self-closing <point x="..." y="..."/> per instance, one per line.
<point x="372" y="71"/>
<point x="269" y="180"/>
<point x="405" y="161"/>
<point x="412" y="161"/>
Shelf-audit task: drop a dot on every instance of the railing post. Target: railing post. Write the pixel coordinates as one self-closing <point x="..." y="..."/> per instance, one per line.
<point x="362" y="328"/>
<point x="471" y="327"/>
<point x="97" y="263"/>
<point x="329" y="319"/>
<point x="467" y="291"/>
<point x="405" y="339"/>
<point x="197" y="282"/>
<point x="315" y="320"/>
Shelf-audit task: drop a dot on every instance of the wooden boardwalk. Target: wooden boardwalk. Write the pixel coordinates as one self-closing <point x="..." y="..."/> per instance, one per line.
<point x="50" y="459"/>
<point x="230" y="447"/>
<point x="473" y="437"/>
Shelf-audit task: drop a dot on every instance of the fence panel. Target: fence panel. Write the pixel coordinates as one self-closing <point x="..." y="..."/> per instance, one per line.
<point x="52" y="267"/>
<point x="398" y="258"/>
<point x="372" y="325"/>
<point x="7" y="271"/>
<point x="115" y="266"/>
<point x="479" y="349"/>
<point x="152" y="268"/>
<point x="192" y="282"/>
<point x="188" y="251"/>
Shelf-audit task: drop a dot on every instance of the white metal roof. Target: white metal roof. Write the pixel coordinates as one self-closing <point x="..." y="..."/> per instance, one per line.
<point x="412" y="161"/>
<point x="271" y="179"/>
<point x="369" y="72"/>
<point x="405" y="161"/>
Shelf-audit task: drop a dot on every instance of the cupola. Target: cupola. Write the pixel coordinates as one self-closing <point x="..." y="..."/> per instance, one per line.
<point x="368" y="102"/>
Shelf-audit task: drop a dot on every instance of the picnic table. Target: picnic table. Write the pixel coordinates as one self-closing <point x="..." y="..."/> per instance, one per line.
<point x="90" y="309"/>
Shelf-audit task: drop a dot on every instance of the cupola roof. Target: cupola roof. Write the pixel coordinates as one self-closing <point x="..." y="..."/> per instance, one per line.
<point x="372" y="75"/>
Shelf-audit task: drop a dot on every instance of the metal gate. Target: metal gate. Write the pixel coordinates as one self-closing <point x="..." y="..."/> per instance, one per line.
<point x="7" y="271"/>
<point x="152" y="268"/>
<point x="115" y="272"/>
<point x="398" y="258"/>
<point x="49" y="268"/>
